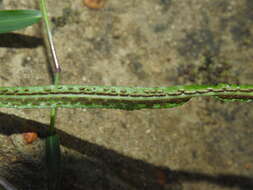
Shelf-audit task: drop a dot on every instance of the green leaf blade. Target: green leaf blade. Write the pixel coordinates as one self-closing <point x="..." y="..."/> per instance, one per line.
<point x="11" y="20"/>
<point x="53" y="161"/>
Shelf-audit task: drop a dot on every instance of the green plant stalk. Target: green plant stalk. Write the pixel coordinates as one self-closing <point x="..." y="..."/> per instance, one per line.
<point x="53" y="153"/>
<point x="53" y="161"/>
<point x="44" y="11"/>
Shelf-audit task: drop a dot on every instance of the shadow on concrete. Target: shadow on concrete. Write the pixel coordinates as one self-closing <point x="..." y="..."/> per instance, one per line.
<point x="13" y="40"/>
<point x="103" y="162"/>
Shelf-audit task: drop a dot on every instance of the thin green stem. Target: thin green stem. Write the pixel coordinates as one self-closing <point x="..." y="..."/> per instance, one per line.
<point x="54" y="110"/>
<point x="56" y="78"/>
<point x="57" y="70"/>
<point x="52" y="120"/>
<point x="44" y="11"/>
<point x="53" y="153"/>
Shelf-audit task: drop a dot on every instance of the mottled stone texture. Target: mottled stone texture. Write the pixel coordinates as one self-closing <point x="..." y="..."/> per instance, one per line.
<point x="204" y="144"/>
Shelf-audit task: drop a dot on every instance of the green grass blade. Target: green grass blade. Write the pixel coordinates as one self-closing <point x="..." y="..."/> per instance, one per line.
<point x="11" y="20"/>
<point x="53" y="161"/>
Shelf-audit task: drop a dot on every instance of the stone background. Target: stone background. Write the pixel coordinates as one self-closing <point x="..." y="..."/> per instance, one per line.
<point x="204" y="144"/>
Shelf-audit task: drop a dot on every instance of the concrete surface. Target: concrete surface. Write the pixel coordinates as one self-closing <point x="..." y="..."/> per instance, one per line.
<point x="204" y="144"/>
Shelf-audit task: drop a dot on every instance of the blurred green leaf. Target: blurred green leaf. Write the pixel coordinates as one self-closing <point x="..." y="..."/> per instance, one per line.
<point x="17" y="19"/>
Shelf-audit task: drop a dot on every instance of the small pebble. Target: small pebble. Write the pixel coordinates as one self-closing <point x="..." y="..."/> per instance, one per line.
<point x="94" y="4"/>
<point x="29" y="137"/>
